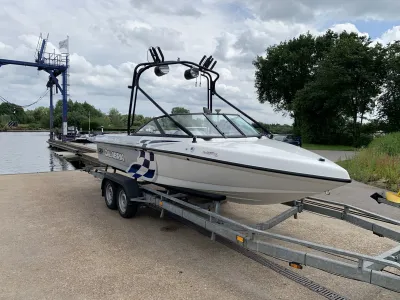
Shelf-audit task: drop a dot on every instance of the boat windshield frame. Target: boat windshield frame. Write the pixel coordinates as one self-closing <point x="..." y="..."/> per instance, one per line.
<point x="207" y="117"/>
<point x="205" y="69"/>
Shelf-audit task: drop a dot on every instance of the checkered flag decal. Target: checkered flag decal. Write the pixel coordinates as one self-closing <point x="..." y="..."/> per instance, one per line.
<point x="145" y="166"/>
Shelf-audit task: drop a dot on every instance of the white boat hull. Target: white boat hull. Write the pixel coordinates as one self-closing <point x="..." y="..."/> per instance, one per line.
<point x="180" y="164"/>
<point x="238" y="184"/>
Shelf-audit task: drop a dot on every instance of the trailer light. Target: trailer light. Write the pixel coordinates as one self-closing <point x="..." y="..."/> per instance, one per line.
<point x="161" y="70"/>
<point x="296" y="265"/>
<point x="240" y="239"/>
<point x="392" y="197"/>
<point x="160" y="203"/>
<point x="191" y="73"/>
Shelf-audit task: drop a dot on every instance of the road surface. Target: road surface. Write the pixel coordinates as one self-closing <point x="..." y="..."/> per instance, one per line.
<point x="356" y="193"/>
<point x="335" y="155"/>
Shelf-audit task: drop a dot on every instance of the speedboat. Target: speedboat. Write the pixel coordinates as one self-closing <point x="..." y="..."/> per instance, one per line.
<point x="213" y="152"/>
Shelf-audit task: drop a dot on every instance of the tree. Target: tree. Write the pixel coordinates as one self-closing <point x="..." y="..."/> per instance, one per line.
<point x="29" y="117"/>
<point x="15" y="112"/>
<point x="180" y="110"/>
<point x="345" y="86"/>
<point x="327" y="83"/>
<point x="94" y="112"/>
<point x="78" y="115"/>
<point x="288" y="67"/>
<point x="5" y="109"/>
<point x="389" y="100"/>
<point x="115" y="117"/>
<point x="277" y="128"/>
<point x="139" y="121"/>
<point x="361" y="75"/>
<point x="40" y="113"/>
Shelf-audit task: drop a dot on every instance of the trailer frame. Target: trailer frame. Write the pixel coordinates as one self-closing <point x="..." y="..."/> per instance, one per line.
<point x="361" y="267"/>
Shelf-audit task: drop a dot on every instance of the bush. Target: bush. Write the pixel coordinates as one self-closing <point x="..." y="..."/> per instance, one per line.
<point x="3" y="127"/>
<point x="364" y="140"/>
<point x="95" y="125"/>
<point x="388" y="144"/>
<point x="28" y="126"/>
<point x="378" y="164"/>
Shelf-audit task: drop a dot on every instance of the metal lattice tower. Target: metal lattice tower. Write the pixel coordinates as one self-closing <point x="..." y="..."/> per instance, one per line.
<point x="54" y="64"/>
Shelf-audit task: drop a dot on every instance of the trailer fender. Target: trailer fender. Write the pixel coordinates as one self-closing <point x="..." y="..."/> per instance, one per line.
<point x="130" y="185"/>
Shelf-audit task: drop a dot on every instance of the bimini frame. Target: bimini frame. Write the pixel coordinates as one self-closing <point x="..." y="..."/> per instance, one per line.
<point x="203" y="68"/>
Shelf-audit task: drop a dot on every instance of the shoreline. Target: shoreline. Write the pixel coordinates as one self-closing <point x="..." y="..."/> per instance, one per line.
<point x="48" y="130"/>
<point x="26" y="130"/>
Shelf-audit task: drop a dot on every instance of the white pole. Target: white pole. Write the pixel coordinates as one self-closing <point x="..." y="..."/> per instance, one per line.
<point x="89" y="122"/>
<point x="65" y="124"/>
<point x="68" y="83"/>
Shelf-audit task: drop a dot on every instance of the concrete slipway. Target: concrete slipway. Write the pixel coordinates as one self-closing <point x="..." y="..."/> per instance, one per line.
<point x="58" y="240"/>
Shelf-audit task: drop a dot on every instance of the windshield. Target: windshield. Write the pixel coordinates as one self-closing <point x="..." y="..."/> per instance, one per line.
<point x="279" y="137"/>
<point x="224" y="125"/>
<point x="200" y="125"/>
<point x="243" y="126"/>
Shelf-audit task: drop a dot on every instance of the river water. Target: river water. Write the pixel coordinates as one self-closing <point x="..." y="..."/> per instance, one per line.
<point x="28" y="152"/>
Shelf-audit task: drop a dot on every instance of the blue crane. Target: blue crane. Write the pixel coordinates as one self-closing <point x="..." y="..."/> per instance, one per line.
<point x="55" y="65"/>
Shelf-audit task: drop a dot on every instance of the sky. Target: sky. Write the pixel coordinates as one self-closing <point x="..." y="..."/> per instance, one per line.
<point x="108" y="38"/>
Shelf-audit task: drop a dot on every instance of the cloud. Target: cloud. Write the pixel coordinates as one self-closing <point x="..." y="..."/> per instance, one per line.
<point x="244" y="45"/>
<point x="392" y="34"/>
<point x="308" y="11"/>
<point x="5" y="50"/>
<point x="347" y="27"/>
<point x="130" y="32"/>
<point x="180" y="8"/>
<point x="108" y="38"/>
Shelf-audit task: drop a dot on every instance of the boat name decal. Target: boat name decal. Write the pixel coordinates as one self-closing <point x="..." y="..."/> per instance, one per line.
<point x="210" y="153"/>
<point x="114" y="155"/>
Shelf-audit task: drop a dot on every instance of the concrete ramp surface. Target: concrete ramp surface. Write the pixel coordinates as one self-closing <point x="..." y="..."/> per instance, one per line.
<point x="60" y="241"/>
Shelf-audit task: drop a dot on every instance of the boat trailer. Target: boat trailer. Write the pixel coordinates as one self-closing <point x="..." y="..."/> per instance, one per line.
<point x="126" y="194"/>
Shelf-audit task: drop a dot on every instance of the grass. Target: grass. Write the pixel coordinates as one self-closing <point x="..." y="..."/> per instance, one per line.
<point x="328" y="147"/>
<point x="378" y="164"/>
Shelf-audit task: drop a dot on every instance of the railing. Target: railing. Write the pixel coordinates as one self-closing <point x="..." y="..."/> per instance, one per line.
<point x="55" y="59"/>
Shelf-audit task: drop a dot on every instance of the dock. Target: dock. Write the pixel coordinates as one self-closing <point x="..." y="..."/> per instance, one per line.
<point x="76" y="153"/>
<point x="60" y="241"/>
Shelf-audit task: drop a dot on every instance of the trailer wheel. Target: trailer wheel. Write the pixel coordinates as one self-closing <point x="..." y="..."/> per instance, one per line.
<point x="109" y="194"/>
<point x="126" y="208"/>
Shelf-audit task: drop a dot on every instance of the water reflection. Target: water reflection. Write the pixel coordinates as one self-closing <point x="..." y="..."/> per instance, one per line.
<point x="28" y="152"/>
<point x="59" y="164"/>
<point x="51" y="161"/>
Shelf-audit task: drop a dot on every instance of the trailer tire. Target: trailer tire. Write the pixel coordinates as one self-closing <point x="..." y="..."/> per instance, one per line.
<point x="126" y="208"/>
<point x="109" y="190"/>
